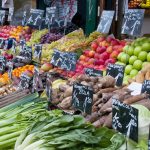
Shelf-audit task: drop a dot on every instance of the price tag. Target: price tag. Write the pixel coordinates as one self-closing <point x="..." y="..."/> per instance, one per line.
<point x="27" y="52"/>
<point x="22" y="45"/>
<point x="105" y="21"/>
<point x="146" y="87"/>
<point x="2" y="42"/>
<point x="82" y="98"/>
<point x="10" y="69"/>
<point x="49" y="87"/>
<point x="24" y="18"/>
<point x="116" y="71"/>
<point x="5" y="44"/>
<point x="125" y="119"/>
<point x="14" y="44"/>
<point x="64" y="60"/>
<point x="2" y="16"/>
<point x="132" y="22"/>
<point x="93" y="72"/>
<point x="50" y="15"/>
<point x="24" y="81"/>
<point x="2" y="64"/>
<point x="36" y="18"/>
<point x="37" y="52"/>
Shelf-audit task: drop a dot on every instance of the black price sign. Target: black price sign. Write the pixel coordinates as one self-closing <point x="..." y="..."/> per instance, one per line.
<point x="105" y="21"/>
<point x="6" y="44"/>
<point x="64" y="60"/>
<point x="49" y="87"/>
<point x="36" y="18"/>
<point x="50" y="15"/>
<point x="22" y="45"/>
<point x="146" y="87"/>
<point x="2" y="64"/>
<point x="93" y="72"/>
<point x="2" y="42"/>
<point x="82" y="98"/>
<point x="24" y="81"/>
<point x="125" y="119"/>
<point x="10" y="69"/>
<point x="116" y="71"/>
<point x="132" y="22"/>
<point x="14" y="44"/>
<point x="37" y="52"/>
<point x="27" y="52"/>
<point x="2" y="16"/>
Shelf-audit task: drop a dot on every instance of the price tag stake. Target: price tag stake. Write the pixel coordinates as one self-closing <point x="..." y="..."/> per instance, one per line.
<point x="49" y="87"/>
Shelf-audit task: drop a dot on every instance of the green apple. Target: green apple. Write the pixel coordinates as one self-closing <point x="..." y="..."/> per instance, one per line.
<point x="137" y="64"/>
<point x="146" y="47"/>
<point x="137" y="50"/>
<point x="142" y="56"/>
<point x="125" y="79"/>
<point x="120" y="63"/>
<point x="119" y="56"/>
<point x="128" y="69"/>
<point x="132" y="59"/>
<point x="125" y="58"/>
<point x="126" y="48"/>
<point x="130" y="50"/>
<point x="133" y="73"/>
<point x="148" y="57"/>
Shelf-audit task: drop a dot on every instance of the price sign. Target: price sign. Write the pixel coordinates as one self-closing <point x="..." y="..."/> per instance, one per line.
<point x="132" y="22"/>
<point x="27" y="52"/>
<point x="105" y="21"/>
<point x="10" y="69"/>
<point x="6" y="44"/>
<point x="125" y="119"/>
<point x="24" y="81"/>
<point x="2" y="16"/>
<point x="146" y="87"/>
<point x="64" y="60"/>
<point x="36" y="18"/>
<point x="93" y="72"/>
<point x="82" y="98"/>
<point x="2" y="41"/>
<point x="2" y="64"/>
<point x="24" y="18"/>
<point x="50" y="15"/>
<point x="14" y="44"/>
<point x="49" y="87"/>
<point x="116" y="71"/>
<point x="22" y="45"/>
<point x="37" y="52"/>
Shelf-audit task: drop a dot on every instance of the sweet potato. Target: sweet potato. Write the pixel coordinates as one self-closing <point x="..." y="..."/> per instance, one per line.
<point x="107" y="81"/>
<point x="106" y="90"/>
<point x="106" y="96"/>
<point x="135" y="99"/>
<point x="93" y="117"/>
<point x="68" y="92"/>
<point x="144" y="102"/>
<point x="140" y="77"/>
<point x="147" y="75"/>
<point x="108" y="121"/>
<point x="63" y="87"/>
<point x="66" y="103"/>
<point x="95" y="98"/>
<point x="97" y="102"/>
<point x="99" y="122"/>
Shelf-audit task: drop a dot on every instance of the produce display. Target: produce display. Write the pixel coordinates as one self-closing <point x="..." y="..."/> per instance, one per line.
<point x="134" y="56"/>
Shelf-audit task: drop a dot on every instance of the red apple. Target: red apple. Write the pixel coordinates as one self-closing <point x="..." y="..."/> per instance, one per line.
<point x="110" y="60"/>
<point x="109" y="39"/>
<point x="91" y="61"/>
<point x="100" y="50"/>
<point x="100" y="39"/>
<point x="86" y="59"/>
<point x="91" y="54"/>
<point x="109" y="49"/>
<point x="99" y="62"/>
<point x="94" y="45"/>
<point x="82" y="57"/>
<point x="114" y="42"/>
<point x="86" y="52"/>
<point x="96" y="56"/>
<point x="105" y="56"/>
<point x="46" y="67"/>
<point x="114" y="54"/>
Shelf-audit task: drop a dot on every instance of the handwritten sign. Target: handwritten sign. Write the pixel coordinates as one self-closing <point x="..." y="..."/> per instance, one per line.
<point x="64" y="60"/>
<point x="146" y="87"/>
<point x="50" y="15"/>
<point x="37" y="52"/>
<point x="10" y="69"/>
<point x="82" y="98"/>
<point x="93" y="72"/>
<point x="2" y="64"/>
<point x="2" y="16"/>
<point x="132" y="22"/>
<point x="36" y="18"/>
<point x="27" y="52"/>
<point x="125" y="119"/>
<point x="49" y="87"/>
<point x="2" y="41"/>
<point x="105" y="21"/>
<point x="116" y="71"/>
<point x="24" y="81"/>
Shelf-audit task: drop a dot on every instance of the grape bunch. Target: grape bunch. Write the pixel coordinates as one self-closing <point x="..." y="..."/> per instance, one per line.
<point x="50" y="37"/>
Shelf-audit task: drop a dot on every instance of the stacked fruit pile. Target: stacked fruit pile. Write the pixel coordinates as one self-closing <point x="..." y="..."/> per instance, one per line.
<point x="16" y="32"/>
<point x="134" y="56"/>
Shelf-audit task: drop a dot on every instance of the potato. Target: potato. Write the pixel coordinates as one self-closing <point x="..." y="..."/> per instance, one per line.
<point x="68" y="92"/>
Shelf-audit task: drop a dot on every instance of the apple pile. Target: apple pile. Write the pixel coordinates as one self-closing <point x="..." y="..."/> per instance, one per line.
<point x="134" y="56"/>
<point x="16" y="32"/>
<point x="104" y="50"/>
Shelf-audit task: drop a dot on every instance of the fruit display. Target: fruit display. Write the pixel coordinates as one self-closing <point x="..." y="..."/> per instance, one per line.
<point x="142" y="75"/>
<point x="72" y="42"/>
<point x="134" y="56"/>
<point x="7" y="89"/>
<point x="135" y="3"/>
<point x="17" y="32"/>
<point x="145" y="4"/>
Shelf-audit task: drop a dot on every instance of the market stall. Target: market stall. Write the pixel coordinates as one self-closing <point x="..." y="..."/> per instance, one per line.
<point x="63" y="89"/>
